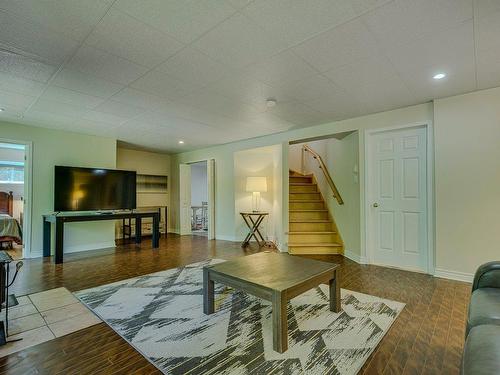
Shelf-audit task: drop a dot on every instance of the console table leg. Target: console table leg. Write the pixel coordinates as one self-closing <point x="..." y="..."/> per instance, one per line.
<point x="156" y="231"/>
<point x="138" y="230"/>
<point x="208" y="293"/>
<point x="280" y="322"/>
<point x="59" y="241"/>
<point x="334" y="285"/>
<point x="46" y="238"/>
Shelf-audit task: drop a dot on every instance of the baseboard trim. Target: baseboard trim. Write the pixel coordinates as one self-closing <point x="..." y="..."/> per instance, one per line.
<point x="225" y="238"/>
<point x="454" y="275"/>
<point x="87" y="247"/>
<point x="355" y="257"/>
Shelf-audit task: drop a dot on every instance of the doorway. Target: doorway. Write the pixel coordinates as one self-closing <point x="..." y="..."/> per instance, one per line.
<point x="15" y="190"/>
<point x="197" y="196"/>
<point x="398" y="198"/>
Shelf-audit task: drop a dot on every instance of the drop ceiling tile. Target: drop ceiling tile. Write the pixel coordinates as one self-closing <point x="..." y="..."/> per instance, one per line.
<point x="184" y="20"/>
<point x="34" y="41"/>
<point x="484" y="8"/>
<point x="125" y="36"/>
<point x="373" y="82"/>
<point x="47" y="119"/>
<point x="11" y="101"/>
<point x="193" y="66"/>
<point x="238" y="42"/>
<point x="140" y="99"/>
<point x="296" y="21"/>
<point x="20" y="85"/>
<point x="85" y="83"/>
<point x="241" y="88"/>
<point x="283" y="67"/>
<point x="487" y="31"/>
<point x="460" y="79"/>
<point x="438" y="50"/>
<point x="296" y="113"/>
<point x="307" y="89"/>
<point x="66" y="96"/>
<point x="104" y="65"/>
<point x="58" y="108"/>
<point x="402" y="21"/>
<point x="106" y="118"/>
<point x="342" y="45"/>
<point x="338" y="106"/>
<point x="73" y="18"/>
<point x="24" y="67"/>
<point x="119" y="109"/>
<point x="162" y="85"/>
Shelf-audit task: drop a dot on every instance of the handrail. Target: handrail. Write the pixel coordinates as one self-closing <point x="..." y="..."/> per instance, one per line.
<point x="322" y="166"/>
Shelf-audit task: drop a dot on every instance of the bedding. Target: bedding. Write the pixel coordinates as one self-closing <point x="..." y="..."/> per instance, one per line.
<point x="10" y="230"/>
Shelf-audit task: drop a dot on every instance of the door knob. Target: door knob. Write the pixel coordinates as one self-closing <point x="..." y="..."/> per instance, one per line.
<point x="375" y="204"/>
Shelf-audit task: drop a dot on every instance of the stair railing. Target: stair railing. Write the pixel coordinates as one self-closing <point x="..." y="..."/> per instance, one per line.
<point x="323" y="168"/>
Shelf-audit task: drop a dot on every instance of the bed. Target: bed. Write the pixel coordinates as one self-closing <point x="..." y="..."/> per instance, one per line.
<point x="10" y="230"/>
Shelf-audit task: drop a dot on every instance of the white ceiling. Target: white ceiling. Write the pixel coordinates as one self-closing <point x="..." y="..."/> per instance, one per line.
<point x="152" y="72"/>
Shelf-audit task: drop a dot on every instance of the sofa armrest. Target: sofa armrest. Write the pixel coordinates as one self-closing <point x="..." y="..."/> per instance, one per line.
<point x="487" y="276"/>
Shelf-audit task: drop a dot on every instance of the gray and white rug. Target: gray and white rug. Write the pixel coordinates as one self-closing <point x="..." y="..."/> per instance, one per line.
<point x="161" y="315"/>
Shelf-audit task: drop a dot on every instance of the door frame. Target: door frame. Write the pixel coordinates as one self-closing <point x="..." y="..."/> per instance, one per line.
<point x="28" y="193"/>
<point x="431" y="210"/>
<point x="211" y="183"/>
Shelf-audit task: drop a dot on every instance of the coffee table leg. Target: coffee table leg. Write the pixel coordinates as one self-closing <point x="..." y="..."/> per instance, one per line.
<point x="208" y="293"/>
<point x="280" y="322"/>
<point x="335" y="292"/>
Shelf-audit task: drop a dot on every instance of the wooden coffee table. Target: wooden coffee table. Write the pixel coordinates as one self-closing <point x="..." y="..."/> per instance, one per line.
<point x="274" y="277"/>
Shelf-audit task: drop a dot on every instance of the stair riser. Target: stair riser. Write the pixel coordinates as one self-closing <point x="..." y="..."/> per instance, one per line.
<point x="315" y="250"/>
<point x="310" y="227"/>
<point x="312" y="238"/>
<point x="304" y="196"/>
<point x="309" y="215"/>
<point x="303" y="189"/>
<point x="300" y="179"/>
<point x="306" y="205"/>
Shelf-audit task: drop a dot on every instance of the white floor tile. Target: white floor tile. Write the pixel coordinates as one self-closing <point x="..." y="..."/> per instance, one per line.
<point x="23" y="310"/>
<point x="29" y="338"/>
<point x="74" y="324"/>
<point x="63" y="313"/>
<point x="26" y="323"/>
<point x="50" y="299"/>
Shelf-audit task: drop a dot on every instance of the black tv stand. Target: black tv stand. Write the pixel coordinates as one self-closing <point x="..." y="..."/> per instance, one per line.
<point x="61" y="218"/>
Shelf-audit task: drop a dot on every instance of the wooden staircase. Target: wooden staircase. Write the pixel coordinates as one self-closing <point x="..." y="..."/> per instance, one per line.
<point x="312" y="229"/>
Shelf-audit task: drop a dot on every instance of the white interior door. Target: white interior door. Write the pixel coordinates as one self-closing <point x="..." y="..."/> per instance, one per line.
<point x="397" y="198"/>
<point x="185" y="198"/>
<point x="211" y="198"/>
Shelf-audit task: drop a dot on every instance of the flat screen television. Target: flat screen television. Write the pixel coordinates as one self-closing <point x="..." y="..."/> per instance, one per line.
<point x="93" y="189"/>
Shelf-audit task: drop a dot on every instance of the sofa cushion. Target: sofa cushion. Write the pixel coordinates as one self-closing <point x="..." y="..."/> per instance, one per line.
<point x="482" y="351"/>
<point x="484" y="307"/>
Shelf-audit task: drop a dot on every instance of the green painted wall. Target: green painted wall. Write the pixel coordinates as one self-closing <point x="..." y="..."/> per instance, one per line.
<point x="54" y="147"/>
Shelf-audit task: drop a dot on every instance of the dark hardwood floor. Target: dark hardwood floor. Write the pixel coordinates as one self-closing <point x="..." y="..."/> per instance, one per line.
<point x="427" y="338"/>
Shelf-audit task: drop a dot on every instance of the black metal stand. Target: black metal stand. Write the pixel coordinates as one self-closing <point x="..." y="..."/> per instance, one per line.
<point x="253" y="221"/>
<point x="6" y="300"/>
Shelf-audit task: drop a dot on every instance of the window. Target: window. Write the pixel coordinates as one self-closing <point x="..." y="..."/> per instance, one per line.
<point x="11" y="172"/>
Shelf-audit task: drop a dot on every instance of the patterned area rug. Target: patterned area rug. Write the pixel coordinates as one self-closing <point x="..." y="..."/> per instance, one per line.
<point x="161" y="315"/>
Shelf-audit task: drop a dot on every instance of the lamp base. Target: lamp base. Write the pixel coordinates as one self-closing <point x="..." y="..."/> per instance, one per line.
<point x="256" y="201"/>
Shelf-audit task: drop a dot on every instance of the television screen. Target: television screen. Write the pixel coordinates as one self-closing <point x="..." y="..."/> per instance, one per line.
<point x="92" y="189"/>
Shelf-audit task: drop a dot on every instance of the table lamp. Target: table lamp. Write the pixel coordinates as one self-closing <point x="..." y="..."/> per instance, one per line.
<point x="256" y="185"/>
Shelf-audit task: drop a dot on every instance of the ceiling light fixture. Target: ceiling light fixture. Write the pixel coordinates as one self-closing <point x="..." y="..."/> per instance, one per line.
<point x="270" y="103"/>
<point x="439" y="76"/>
<point x="181" y="142"/>
<point x="1" y="109"/>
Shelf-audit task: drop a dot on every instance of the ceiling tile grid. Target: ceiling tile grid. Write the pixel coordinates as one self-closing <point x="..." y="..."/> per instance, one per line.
<point x="153" y="72"/>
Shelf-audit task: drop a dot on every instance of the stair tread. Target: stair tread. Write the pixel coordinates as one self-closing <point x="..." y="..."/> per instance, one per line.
<point x="326" y="244"/>
<point x="305" y="201"/>
<point x="312" y="232"/>
<point x="310" y="221"/>
<point x="301" y="183"/>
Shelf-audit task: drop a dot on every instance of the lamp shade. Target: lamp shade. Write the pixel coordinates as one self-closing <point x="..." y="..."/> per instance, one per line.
<point x="256" y="184"/>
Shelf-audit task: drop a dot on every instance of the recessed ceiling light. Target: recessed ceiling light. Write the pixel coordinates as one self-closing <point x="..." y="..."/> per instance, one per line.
<point x="271" y="103"/>
<point x="439" y="76"/>
<point x="181" y="142"/>
<point x="1" y="109"/>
